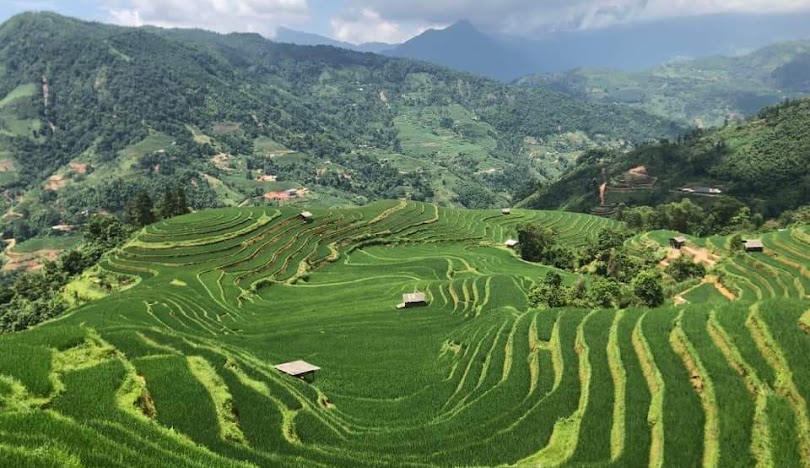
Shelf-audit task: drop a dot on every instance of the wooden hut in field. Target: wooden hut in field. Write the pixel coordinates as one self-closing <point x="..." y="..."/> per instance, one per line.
<point x="299" y="369"/>
<point x="677" y="242"/>
<point x="754" y="245"/>
<point x="417" y="299"/>
<point x="511" y="243"/>
<point x="506" y="211"/>
<point x="306" y="216"/>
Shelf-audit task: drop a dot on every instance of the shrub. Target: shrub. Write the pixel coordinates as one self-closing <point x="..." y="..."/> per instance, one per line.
<point x="683" y="269"/>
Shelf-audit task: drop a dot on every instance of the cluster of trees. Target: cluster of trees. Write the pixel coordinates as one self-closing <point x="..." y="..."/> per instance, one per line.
<point x="725" y="215"/>
<point x="620" y="278"/>
<point x="33" y="297"/>
<point x="683" y="269"/>
<point x="29" y="298"/>
<point x="645" y="290"/>
<point x="800" y="215"/>
<point x="142" y="210"/>
<point x="360" y="174"/>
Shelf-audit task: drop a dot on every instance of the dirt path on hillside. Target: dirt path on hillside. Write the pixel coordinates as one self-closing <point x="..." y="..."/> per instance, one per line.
<point x="710" y="279"/>
<point x="701" y="255"/>
<point x="696" y="254"/>
<point x="715" y="281"/>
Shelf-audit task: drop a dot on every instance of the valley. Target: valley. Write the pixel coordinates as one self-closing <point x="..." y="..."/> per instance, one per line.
<point x="221" y="250"/>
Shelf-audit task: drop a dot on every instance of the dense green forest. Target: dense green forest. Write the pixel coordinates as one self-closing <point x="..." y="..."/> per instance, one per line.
<point x="94" y="114"/>
<point x="762" y="165"/>
<point x="706" y="91"/>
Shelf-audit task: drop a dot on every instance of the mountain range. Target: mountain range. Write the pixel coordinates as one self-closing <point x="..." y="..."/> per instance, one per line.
<point x="93" y="114"/>
<point x="631" y="46"/>
<point x="290" y="36"/>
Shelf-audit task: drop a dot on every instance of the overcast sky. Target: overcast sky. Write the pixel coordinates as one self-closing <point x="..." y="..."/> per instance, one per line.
<point x="390" y="20"/>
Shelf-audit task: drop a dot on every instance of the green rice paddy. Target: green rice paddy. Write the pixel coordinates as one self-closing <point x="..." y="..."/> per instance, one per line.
<point x="178" y="370"/>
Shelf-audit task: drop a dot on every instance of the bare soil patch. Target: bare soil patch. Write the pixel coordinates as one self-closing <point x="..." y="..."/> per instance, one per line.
<point x="222" y="161"/>
<point x="715" y="281"/>
<point x="55" y="182"/>
<point x="7" y="165"/>
<point x="28" y="261"/>
<point x="696" y="254"/>
<point x="79" y="168"/>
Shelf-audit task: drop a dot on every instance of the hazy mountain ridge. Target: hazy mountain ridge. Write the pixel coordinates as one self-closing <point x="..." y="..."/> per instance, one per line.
<point x="291" y="36"/>
<point x="632" y="46"/>
<point x="706" y="91"/>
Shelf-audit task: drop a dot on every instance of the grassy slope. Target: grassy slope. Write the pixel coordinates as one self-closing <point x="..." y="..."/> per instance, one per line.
<point x="475" y="378"/>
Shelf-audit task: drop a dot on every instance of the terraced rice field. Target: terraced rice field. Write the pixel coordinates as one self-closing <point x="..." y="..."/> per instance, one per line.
<point x="178" y="370"/>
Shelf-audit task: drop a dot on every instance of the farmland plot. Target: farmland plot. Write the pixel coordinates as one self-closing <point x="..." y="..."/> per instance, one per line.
<point x="179" y="369"/>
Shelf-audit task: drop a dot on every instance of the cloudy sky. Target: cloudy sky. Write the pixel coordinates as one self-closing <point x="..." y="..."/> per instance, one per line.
<point x="390" y="20"/>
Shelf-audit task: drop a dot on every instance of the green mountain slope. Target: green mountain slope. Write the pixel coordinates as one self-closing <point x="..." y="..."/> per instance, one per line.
<point x="705" y="92"/>
<point x="178" y="369"/>
<point x="764" y="162"/>
<point x="91" y="114"/>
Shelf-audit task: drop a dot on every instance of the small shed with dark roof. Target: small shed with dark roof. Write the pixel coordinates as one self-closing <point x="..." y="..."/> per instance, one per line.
<point x="417" y="299"/>
<point x="677" y="242"/>
<point x="754" y="245"/>
<point x="299" y="369"/>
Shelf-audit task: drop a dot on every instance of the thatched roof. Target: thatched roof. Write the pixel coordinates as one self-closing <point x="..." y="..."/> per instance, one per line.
<point x="297" y="368"/>
<point x="414" y="298"/>
<point x="754" y="244"/>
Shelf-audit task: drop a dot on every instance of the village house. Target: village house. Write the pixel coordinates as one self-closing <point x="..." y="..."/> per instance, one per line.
<point x="417" y="299"/>
<point x="754" y="245"/>
<point x="677" y="242"/>
<point x="299" y="369"/>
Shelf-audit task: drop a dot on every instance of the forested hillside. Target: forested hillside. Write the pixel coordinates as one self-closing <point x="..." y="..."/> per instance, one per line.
<point x="705" y="92"/>
<point x="763" y="163"/>
<point x="91" y="115"/>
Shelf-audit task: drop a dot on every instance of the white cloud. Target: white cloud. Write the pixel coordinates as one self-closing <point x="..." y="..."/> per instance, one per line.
<point x="523" y="16"/>
<point x="262" y="16"/>
<point x="367" y="25"/>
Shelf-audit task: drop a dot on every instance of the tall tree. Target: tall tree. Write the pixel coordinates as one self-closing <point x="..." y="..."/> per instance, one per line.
<point x="168" y="204"/>
<point x="181" y="202"/>
<point x="139" y="211"/>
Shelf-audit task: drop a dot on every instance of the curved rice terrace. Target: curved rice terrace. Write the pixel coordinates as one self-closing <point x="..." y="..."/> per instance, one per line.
<point x="178" y="369"/>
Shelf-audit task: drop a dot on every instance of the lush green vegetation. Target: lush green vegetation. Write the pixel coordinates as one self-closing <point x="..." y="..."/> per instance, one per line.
<point x="232" y="117"/>
<point x="761" y="165"/>
<point x="29" y="298"/>
<point x="177" y="369"/>
<point x="704" y="92"/>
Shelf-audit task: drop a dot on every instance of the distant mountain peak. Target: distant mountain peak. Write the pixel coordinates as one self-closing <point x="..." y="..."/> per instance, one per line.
<point x="464" y="47"/>
<point x="463" y="24"/>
